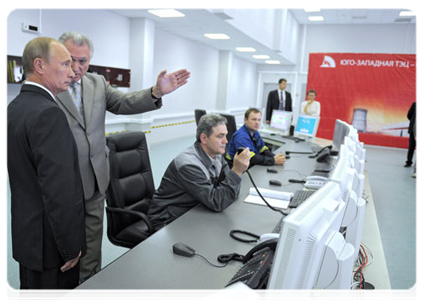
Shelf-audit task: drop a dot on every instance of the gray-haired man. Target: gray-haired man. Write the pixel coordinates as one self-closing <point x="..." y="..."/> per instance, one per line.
<point x="199" y="175"/>
<point x="85" y="106"/>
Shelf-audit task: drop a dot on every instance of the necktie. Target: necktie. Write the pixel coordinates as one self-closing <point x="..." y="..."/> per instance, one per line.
<point x="76" y="97"/>
<point x="281" y="106"/>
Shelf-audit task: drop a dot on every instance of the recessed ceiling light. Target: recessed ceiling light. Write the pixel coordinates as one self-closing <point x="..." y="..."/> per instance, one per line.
<point x="217" y="36"/>
<point x="273" y="62"/>
<point x="312" y="9"/>
<point x="407" y="13"/>
<point x="315" y="18"/>
<point x="261" y="56"/>
<point x="166" y="13"/>
<point x="245" y="49"/>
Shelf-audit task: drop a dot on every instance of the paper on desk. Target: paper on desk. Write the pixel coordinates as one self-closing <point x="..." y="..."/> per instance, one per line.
<point x="274" y="198"/>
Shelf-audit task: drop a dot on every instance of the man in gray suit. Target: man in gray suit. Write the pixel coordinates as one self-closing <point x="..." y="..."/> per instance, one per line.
<point x="85" y="105"/>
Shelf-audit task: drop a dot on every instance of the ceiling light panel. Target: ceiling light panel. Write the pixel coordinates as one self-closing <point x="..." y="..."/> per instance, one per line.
<point x="315" y="18"/>
<point x="166" y="13"/>
<point x="217" y="36"/>
<point x="273" y="62"/>
<point x="245" y="49"/>
<point x="261" y="56"/>
<point x="407" y="13"/>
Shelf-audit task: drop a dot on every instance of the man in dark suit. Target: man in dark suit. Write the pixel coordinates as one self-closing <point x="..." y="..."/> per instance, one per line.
<point x="411" y="115"/>
<point x="85" y="105"/>
<point x="278" y="99"/>
<point x="48" y="229"/>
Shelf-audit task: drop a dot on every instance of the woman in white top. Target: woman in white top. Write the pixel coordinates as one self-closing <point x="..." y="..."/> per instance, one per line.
<point x="310" y="107"/>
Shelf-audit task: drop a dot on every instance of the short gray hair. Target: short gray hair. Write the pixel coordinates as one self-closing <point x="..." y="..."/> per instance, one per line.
<point x="207" y="123"/>
<point x="78" y="39"/>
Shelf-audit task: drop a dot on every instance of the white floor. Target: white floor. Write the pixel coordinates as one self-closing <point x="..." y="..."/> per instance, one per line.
<point x="394" y="193"/>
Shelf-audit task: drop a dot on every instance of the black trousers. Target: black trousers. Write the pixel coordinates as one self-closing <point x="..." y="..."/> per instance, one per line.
<point x="49" y="278"/>
<point x="411" y="147"/>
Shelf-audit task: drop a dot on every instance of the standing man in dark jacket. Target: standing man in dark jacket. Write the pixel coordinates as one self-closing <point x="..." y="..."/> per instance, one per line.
<point x="48" y="229"/>
<point x="278" y="99"/>
<point x="411" y="115"/>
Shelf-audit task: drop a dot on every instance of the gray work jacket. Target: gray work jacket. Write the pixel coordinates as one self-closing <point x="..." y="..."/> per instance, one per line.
<point x="189" y="180"/>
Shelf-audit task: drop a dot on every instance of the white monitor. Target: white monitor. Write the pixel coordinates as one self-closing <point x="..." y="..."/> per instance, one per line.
<point x="281" y="120"/>
<point x="340" y="131"/>
<point x="307" y="126"/>
<point x="311" y="252"/>
<point x="352" y="185"/>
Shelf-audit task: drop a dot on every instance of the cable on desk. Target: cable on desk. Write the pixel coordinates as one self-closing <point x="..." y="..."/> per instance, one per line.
<point x="358" y="277"/>
<point x="255" y="236"/>
<point x="258" y="192"/>
<point x="211" y="262"/>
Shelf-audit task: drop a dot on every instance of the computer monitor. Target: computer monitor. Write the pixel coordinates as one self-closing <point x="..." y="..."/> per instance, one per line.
<point x="341" y="130"/>
<point x="352" y="185"/>
<point x="311" y="252"/>
<point x="307" y="126"/>
<point x="281" y="120"/>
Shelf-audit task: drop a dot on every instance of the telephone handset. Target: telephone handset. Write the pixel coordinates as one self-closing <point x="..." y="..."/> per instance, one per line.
<point x="256" y="265"/>
<point x="271" y="244"/>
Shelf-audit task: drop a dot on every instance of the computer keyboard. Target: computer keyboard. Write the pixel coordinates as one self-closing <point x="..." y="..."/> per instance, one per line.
<point x="299" y="197"/>
<point x="320" y="173"/>
<point x="294" y="138"/>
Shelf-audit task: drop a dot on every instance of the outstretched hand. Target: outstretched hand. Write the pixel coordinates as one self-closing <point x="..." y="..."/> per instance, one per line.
<point x="167" y="83"/>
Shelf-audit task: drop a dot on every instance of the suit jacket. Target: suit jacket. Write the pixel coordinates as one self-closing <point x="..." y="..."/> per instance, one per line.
<point x="47" y="203"/>
<point x="98" y="96"/>
<point x="273" y="103"/>
<point x="411" y="115"/>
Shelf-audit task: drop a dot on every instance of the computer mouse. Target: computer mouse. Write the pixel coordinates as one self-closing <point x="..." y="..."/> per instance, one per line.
<point x="183" y="250"/>
<point x="297" y="140"/>
<point x="275" y="182"/>
<point x="272" y="170"/>
<point x="287" y="156"/>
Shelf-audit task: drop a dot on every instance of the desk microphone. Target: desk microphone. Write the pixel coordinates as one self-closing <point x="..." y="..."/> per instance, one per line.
<point x="298" y="152"/>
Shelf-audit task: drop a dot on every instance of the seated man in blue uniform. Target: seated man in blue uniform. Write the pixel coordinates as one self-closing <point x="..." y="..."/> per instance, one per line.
<point x="248" y="136"/>
<point x="200" y="174"/>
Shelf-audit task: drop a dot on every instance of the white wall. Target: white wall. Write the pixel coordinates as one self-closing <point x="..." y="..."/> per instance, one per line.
<point x="243" y="85"/>
<point x="108" y="31"/>
<point x="173" y="53"/>
<point x="390" y="38"/>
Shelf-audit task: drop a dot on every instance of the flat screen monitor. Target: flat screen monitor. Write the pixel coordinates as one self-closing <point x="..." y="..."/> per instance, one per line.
<point x="281" y="120"/>
<point x="307" y="126"/>
<point x="341" y="130"/>
<point x="311" y="252"/>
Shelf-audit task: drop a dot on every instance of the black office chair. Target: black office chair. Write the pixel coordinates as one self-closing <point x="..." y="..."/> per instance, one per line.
<point x="198" y="114"/>
<point x="231" y="126"/>
<point x="130" y="191"/>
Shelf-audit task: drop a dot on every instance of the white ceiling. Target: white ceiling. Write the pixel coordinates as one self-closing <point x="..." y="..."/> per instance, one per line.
<point x="197" y="22"/>
<point x="354" y="16"/>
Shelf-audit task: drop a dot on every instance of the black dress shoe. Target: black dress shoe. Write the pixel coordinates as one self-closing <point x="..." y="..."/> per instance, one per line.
<point x="407" y="165"/>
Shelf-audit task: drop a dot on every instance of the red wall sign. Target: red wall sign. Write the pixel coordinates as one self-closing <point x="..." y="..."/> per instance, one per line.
<point x="373" y="92"/>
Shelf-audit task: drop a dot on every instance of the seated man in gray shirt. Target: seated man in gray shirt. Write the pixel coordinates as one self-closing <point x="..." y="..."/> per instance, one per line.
<point x="199" y="175"/>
